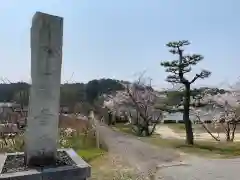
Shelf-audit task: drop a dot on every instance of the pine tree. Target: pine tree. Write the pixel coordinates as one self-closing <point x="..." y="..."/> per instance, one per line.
<point x="177" y="69"/>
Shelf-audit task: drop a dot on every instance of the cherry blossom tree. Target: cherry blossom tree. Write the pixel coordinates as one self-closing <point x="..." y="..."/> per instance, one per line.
<point x="225" y="111"/>
<point x="143" y="97"/>
<point x="139" y="98"/>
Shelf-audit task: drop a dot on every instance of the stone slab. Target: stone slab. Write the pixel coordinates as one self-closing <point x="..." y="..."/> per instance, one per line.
<point x="81" y="171"/>
<point x="41" y="135"/>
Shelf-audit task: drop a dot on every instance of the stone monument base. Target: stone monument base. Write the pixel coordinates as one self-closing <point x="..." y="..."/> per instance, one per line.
<point x="69" y="166"/>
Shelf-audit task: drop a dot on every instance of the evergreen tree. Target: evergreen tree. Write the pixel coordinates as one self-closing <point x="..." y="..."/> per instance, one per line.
<point x="178" y="68"/>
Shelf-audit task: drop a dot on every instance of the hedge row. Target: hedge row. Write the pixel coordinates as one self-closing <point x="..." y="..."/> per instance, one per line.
<point x="181" y="121"/>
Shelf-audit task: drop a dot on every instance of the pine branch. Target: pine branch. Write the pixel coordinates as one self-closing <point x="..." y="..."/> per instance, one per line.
<point x="192" y="59"/>
<point x="178" y="44"/>
<point x="202" y="75"/>
<point x="167" y="64"/>
<point x="173" y="79"/>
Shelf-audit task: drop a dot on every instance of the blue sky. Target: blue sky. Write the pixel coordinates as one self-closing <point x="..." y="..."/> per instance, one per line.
<point x="119" y="38"/>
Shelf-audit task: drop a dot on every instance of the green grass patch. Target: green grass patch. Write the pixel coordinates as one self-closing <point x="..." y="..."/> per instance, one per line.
<point x="85" y="146"/>
<point x="90" y="154"/>
<point x="126" y="128"/>
<point x="206" y="148"/>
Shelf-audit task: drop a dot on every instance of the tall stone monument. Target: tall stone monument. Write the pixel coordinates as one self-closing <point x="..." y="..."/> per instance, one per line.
<point x="41" y="159"/>
<point x="46" y="59"/>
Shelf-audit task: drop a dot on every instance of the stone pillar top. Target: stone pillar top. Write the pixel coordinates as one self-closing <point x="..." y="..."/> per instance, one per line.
<point x="40" y="15"/>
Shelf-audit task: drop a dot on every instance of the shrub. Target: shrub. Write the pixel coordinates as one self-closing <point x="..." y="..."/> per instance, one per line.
<point x="169" y="121"/>
<point x="208" y="121"/>
<point x="181" y="121"/>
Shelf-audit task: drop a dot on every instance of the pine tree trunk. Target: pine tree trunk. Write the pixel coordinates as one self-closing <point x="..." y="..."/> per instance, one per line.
<point x="188" y="123"/>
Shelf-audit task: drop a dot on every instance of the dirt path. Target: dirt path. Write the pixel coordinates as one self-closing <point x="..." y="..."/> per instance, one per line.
<point x="144" y="157"/>
<point x="168" y="133"/>
<point x="167" y="164"/>
<point x="202" y="169"/>
<point x="196" y="168"/>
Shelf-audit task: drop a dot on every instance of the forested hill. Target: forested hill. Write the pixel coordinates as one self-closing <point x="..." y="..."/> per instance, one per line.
<point x="70" y="93"/>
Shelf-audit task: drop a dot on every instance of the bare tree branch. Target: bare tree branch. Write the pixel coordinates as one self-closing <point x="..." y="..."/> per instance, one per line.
<point x="205" y="127"/>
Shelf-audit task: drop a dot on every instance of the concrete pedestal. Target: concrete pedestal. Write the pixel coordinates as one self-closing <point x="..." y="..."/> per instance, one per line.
<point x="79" y="171"/>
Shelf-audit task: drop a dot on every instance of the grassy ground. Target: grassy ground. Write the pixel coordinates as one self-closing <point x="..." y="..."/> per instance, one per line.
<point x="123" y="128"/>
<point x="179" y="128"/>
<point x="85" y="146"/>
<point x="110" y="167"/>
<point x="104" y="165"/>
<point x="202" y="148"/>
<point x="91" y="154"/>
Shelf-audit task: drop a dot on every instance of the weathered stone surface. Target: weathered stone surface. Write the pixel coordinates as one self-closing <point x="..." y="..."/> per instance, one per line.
<point x="46" y="60"/>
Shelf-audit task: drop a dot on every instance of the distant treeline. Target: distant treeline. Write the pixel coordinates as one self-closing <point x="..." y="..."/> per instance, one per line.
<point x="175" y="97"/>
<point x="88" y="93"/>
<point x="70" y="93"/>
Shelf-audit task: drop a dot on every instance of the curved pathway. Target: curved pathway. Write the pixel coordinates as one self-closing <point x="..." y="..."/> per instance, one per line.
<point x="202" y="169"/>
<point x="144" y="157"/>
<point x="167" y="164"/>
